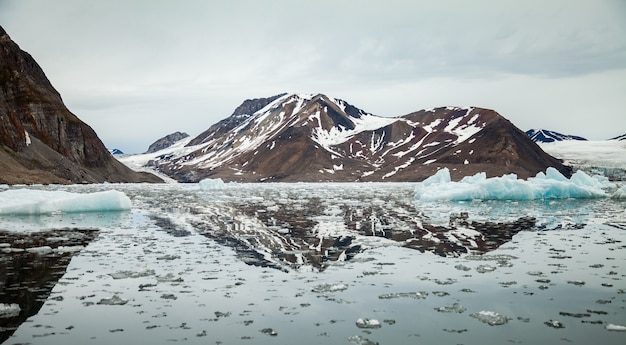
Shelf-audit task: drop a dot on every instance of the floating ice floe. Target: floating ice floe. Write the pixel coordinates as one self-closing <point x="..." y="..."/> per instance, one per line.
<point x="368" y="323"/>
<point x="414" y="295"/>
<point x="491" y="318"/>
<point x="330" y="287"/>
<point x="615" y="328"/>
<point x="549" y="185"/>
<point x="115" y="300"/>
<point x="33" y="202"/>
<point x="9" y="310"/>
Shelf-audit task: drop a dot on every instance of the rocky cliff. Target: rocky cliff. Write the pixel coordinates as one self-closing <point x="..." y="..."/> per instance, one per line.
<point x="166" y="141"/>
<point x="306" y="137"/>
<point x="41" y="141"/>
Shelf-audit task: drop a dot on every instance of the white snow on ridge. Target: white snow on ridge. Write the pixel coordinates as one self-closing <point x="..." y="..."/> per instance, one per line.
<point x="34" y="202"/>
<point x="337" y="136"/>
<point x="465" y="131"/>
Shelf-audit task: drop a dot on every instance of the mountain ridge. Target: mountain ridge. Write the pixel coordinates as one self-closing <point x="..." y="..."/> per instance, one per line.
<point x="548" y="136"/>
<point x="314" y="137"/>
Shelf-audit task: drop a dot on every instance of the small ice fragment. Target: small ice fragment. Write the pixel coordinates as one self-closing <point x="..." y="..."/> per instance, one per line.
<point x="485" y="268"/>
<point x="462" y="267"/>
<point x="447" y="281"/>
<point x="68" y="249"/>
<point x="491" y="318"/>
<point x="269" y="331"/>
<point x="168" y="257"/>
<point x="330" y="287"/>
<point x="40" y="250"/>
<point x="615" y="328"/>
<point x="414" y="295"/>
<point x="169" y="278"/>
<point x="115" y="300"/>
<point x="9" y="310"/>
<point x="455" y="308"/>
<point x="358" y="340"/>
<point x="131" y="274"/>
<point x="440" y="293"/>
<point x="219" y="314"/>
<point x="554" y="324"/>
<point x="368" y="323"/>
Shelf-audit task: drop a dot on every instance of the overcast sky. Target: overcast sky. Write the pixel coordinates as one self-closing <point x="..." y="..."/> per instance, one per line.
<point x="138" y="70"/>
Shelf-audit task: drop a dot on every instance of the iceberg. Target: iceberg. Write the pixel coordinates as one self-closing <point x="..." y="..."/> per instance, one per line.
<point x="211" y="184"/>
<point x="35" y="202"/>
<point x="549" y="185"/>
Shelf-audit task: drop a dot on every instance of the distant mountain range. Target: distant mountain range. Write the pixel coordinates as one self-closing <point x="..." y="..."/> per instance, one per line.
<point x="314" y="137"/>
<point x="116" y="151"/>
<point x="546" y="136"/>
<point x="621" y="137"/>
<point x="41" y="141"/>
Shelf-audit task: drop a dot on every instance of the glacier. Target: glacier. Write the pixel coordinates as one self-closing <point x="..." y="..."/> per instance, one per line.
<point x="36" y="202"/>
<point x="549" y="185"/>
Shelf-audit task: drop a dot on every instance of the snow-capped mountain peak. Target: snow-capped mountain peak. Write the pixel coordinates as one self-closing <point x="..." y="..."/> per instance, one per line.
<point x="314" y="137"/>
<point x="546" y="136"/>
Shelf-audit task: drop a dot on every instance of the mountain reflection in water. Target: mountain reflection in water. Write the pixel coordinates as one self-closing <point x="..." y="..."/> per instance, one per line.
<point x="31" y="264"/>
<point x="283" y="230"/>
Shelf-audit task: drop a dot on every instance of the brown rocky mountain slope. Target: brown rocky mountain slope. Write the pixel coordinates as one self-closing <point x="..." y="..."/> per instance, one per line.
<point x="41" y="141"/>
<point x="305" y="137"/>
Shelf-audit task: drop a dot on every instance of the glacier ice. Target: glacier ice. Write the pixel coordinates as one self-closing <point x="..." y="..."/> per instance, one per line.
<point x="33" y="202"/>
<point x="211" y="184"/>
<point x="549" y="185"/>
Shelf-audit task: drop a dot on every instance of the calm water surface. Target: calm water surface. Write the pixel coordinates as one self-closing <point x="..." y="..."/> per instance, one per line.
<point x="322" y="263"/>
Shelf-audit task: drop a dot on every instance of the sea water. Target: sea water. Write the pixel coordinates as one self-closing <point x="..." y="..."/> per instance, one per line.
<point x="341" y="263"/>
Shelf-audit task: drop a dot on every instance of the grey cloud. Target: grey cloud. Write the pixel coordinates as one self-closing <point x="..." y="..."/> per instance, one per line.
<point x="138" y="56"/>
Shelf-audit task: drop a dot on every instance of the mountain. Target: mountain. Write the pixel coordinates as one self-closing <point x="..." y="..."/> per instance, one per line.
<point x="166" y="141"/>
<point x="116" y="151"/>
<point x="41" y="141"/>
<point x="546" y="136"/>
<point x="305" y="137"/>
<point x="619" y="137"/>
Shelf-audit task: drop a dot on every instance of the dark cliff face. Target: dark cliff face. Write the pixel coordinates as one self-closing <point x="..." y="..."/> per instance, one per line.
<point x="41" y="141"/>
